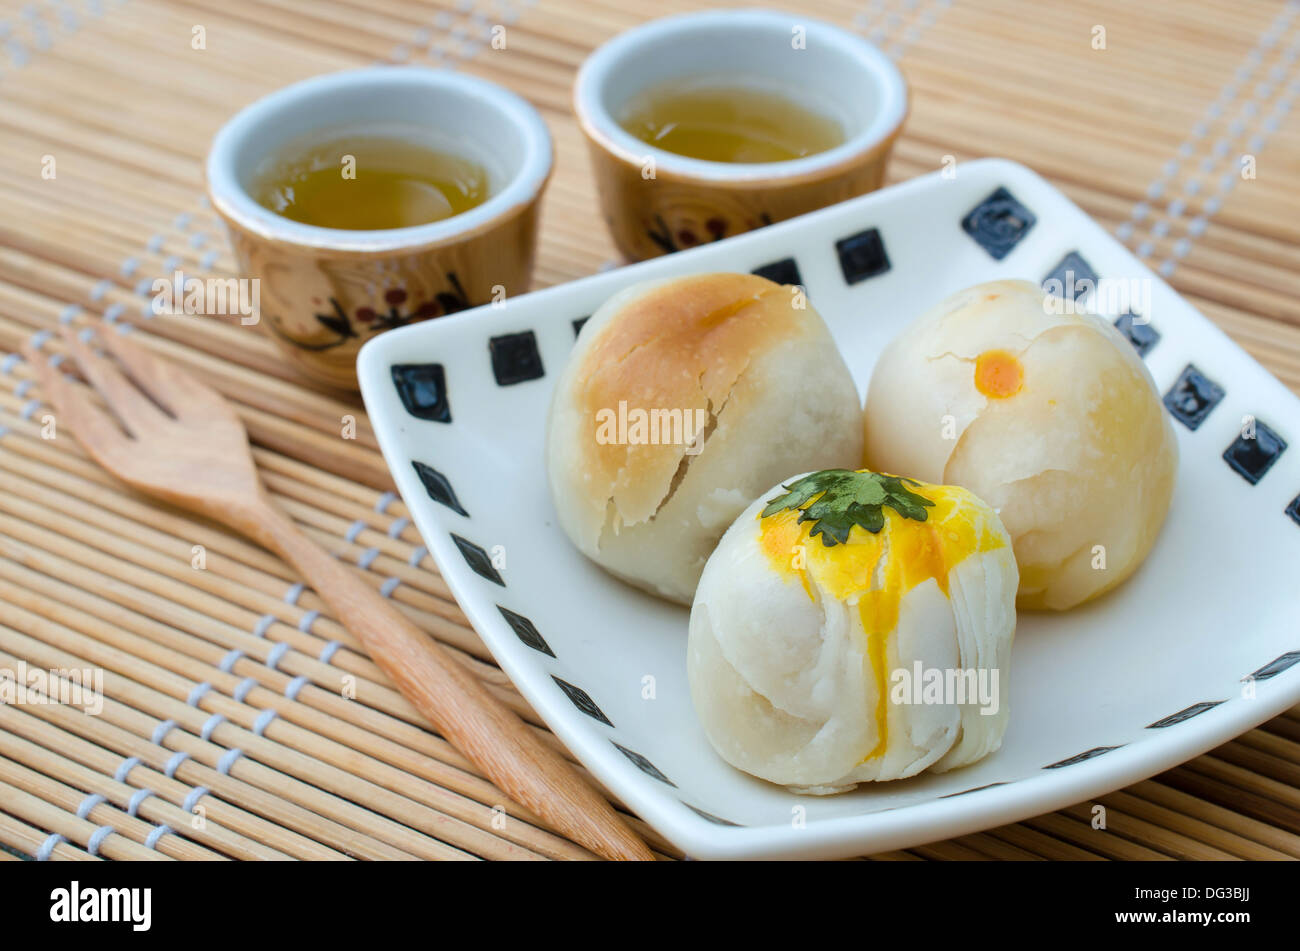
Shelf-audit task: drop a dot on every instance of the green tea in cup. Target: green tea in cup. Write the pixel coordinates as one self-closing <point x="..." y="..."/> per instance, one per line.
<point x="369" y="182"/>
<point x="729" y="123"/>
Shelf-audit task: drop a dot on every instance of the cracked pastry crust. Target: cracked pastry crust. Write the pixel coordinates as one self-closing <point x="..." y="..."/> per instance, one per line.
<point x="1063" y="434"/>
<point x="733" y="350"/>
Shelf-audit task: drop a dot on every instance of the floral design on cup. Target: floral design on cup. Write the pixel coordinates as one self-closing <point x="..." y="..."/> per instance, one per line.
<point x="326" y="291"/>
<point x="372" y="321"/>
<point x="687" y="234"/>
<point x="656" y="202"/>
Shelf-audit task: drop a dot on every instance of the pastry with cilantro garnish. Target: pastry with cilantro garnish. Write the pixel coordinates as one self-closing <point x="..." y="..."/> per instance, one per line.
<point x="852" y="627"/>
<point x="682" y="401"/>
<point x="1049" y="416"/>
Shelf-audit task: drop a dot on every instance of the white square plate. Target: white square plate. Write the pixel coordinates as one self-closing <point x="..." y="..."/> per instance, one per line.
<point x="1157" y="672"/>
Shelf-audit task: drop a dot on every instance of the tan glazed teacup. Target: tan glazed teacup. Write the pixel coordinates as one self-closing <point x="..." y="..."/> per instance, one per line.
<point x="324" y="292"/>
<point x="655" y="201"/>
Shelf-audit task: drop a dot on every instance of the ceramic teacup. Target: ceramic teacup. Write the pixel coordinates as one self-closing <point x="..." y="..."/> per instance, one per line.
<point x="324" y="291"/>
<point x="657" y="201"/>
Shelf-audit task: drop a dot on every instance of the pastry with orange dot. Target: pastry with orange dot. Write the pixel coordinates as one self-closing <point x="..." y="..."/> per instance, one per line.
<point x="1051" y="417"/>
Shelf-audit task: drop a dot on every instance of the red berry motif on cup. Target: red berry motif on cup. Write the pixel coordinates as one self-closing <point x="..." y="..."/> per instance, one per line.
<point x="373" y="321"/>
<point x="668" y="242"/>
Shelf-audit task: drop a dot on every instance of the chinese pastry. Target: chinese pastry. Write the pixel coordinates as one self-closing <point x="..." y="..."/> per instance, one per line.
<point x="682" y="401"/>
<point x="852" y="627"/>
<point x="1051" y="417"/>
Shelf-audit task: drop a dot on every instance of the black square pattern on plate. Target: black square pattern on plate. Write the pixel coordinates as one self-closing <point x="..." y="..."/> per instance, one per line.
<point x="439" y="489"/>
<point x="1081" y="757"/>
<point x="515" y="358"/>
<point x="1072" y="279"/>
<point x="716" y="820"/>
<point x="973" y="789"/>
<point x="1186" y="713"/>
<point x="998" y="223"/>
<point x="526" y="631"/>
<point x="1139" y="333"/>
<point x="1275" y="667"/>
<point x="784" y="271"/>
<point x="643" y="764"/>
<point x="478" y="559"/>
<point x="862" y="255"/>
<point x="579" y="324"/>
<point x="1192" y="397"/>
<point x="1251" y="458"/>
<point x="422" y="388"/>
<point x="582" y="700"/>
<point x="1294" y="509"/>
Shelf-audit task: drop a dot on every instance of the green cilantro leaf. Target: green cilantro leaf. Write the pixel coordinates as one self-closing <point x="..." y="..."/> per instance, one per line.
<point x="837" y="499"/>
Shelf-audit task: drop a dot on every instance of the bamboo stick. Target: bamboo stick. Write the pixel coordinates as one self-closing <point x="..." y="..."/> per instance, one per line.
<point x="28" y="839"/>
<point x="264" y="817"/>
<point x="325" y="789"/>
<point x="1198" y="810"/>
<point x="1070" y="828"/>
<point x="129" y="646"/>
<point x="70" y="800"/>
<point x="1042" y="843"/>
<point x="1128" y="817"/>
<point x="156" y="810"/>
<point x="30" y="808"/>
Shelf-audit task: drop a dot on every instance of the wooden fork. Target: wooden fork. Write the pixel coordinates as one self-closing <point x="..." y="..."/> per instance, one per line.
<point x="175" y="438"/>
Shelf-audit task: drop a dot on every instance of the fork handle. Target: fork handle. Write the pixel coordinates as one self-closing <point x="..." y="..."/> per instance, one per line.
<point x="452" y="698"/>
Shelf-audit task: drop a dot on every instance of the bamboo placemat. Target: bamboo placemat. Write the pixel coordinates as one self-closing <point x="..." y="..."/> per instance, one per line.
<point x="228" y="688"/>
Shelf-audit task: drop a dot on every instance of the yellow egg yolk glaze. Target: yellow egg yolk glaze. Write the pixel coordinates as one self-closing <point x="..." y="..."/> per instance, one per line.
<point x="876" y="571"/>
<point x="998" y="374"/>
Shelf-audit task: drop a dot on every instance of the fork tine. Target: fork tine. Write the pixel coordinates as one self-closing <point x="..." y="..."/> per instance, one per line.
<point x="182" y="395"/>
<point x="96" y="430"/>
<point x="131" y="406"/>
